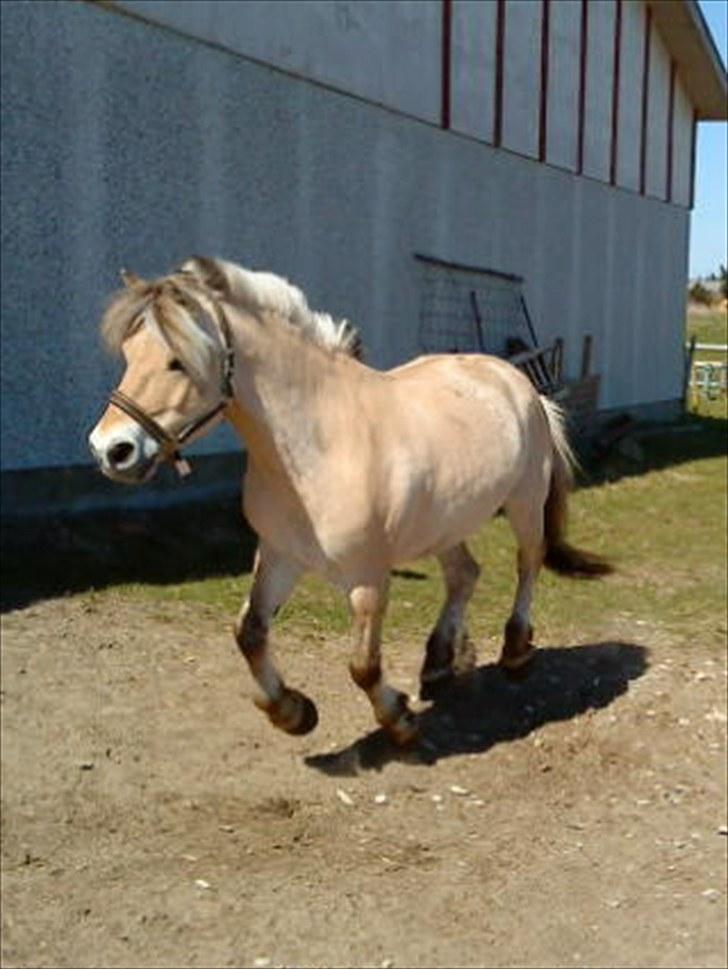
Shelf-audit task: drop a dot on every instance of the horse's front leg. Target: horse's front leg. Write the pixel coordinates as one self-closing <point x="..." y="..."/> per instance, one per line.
<point x="274" y="578"/>
<point x="368" y="603"/>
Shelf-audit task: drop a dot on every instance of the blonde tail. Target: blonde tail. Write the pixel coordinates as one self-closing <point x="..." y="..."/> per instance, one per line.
<point x="559" y="555"/>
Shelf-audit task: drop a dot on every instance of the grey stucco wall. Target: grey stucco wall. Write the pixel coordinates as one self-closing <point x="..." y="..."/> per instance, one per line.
<point x="125" y="144"/>
<point x="379" y="50"/>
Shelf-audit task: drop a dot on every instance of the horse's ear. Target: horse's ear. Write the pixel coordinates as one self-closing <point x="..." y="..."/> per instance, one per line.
<point x="130" y="280"/>
<point x="209" y="273"/>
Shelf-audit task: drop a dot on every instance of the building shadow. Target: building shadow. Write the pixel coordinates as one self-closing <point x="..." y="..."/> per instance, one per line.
<point x="52" y="555"/>
<point x="485" y="707"/>
<point x="625" y="449"/>
<point x="44" y="557"/>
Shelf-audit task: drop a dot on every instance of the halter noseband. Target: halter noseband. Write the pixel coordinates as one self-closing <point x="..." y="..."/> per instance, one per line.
<point x="171" y="443"/>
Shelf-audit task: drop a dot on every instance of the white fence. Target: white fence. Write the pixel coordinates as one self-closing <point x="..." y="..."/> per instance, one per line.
<point x="708" y="378"/>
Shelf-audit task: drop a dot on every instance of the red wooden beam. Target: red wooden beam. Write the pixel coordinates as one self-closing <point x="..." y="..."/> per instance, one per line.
<point x="584" y="40"/>
<point x="544" y="98"/>
<point x="693" y="150"/>
<point x="645" y="99"/>
<point x="670" y="130"/>
<point x="500" y="33"/>
<point x="446" y="65"/>
<point x="615" y="92"/>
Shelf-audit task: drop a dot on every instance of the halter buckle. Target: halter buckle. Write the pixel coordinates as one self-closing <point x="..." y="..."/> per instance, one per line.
<point x="181" y="465"/>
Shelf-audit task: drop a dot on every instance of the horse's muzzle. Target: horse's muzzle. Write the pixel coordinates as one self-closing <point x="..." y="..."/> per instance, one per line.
<point x="124" y="459"/>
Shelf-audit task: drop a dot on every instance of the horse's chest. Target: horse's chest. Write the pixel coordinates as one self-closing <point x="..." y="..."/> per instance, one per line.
<point x="280" y="518"/>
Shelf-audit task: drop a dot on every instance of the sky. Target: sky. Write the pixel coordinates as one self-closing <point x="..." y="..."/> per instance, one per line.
<point x="708" y="231"/>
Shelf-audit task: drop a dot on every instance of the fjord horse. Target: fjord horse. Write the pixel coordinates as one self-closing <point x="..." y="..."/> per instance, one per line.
<point x="351" y="470"/>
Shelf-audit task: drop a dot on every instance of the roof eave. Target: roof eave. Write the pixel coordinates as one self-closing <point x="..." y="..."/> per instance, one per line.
<point x="682" y="27"/>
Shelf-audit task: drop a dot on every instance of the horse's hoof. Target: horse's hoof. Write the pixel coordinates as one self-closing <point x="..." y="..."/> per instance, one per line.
<point x="294" y="712"/>
<point x="518" y="649"/>
<point x="517" y="667"/>
<point x="405" y="730"/>
<point x="308" y="716"/>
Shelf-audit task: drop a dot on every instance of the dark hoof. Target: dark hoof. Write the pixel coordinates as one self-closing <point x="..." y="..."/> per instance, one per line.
<point x="308" y="718"/>
<point x="518" y="649"/>
<point x="405" y="731"/>
<point x="518" y="669"/>
<point x="294" y="712"/>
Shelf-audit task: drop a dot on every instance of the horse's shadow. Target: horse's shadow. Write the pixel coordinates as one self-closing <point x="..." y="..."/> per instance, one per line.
<point x="485" y="706"/>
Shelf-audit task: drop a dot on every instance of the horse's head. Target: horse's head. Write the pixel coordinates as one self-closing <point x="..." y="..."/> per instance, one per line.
<point x="175" y="342"/>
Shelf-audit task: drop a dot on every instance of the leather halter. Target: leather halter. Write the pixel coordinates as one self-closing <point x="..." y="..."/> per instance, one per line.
<point x="169" y="443"/>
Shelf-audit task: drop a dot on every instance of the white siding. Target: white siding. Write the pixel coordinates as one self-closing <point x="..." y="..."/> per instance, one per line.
<point x="251" y="164"/>
<point x="600" y="72"/>
<point x="522" y="76"/>
<point x="682" y="137"/>
<point x="473" y="68"/>
<point x="563" y="85"/>
<point x="659" y="93"/>
<point x="631" y="70"/>
<point x="385" y="52"/>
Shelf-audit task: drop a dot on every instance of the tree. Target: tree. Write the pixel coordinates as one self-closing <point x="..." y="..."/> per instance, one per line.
<point x="700" y="294"/>
<point x="723" y="277"/>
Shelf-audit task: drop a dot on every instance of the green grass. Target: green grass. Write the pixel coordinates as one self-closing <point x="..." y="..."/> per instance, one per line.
<point x="708" y="325"/>
<point x="663" y="523"/>
<point x="662" y="520"/>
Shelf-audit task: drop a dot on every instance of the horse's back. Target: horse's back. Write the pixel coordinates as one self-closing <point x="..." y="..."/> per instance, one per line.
<point x="482" y="396"/>
<point x="455" y="368"/>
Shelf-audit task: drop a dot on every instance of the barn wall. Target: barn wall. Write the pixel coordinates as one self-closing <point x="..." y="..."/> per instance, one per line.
<point x="391" y="53"/>
<point x="682" y="140"/>
<point x="563" y="85"/>
<point x="521" y="76"/>
<point x="631" y="73"/>
<point x="128" y="144"/>
<point x="383" y="51"/>
<point x="657" y="118"/>
<point x="599" y="80"/>
<point x="473" y="69"/>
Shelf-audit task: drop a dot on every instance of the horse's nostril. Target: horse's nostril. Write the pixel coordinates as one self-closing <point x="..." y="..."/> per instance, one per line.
<point x="120" y="453"/>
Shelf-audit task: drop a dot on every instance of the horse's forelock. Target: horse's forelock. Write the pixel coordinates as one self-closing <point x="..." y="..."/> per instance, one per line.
<point x="181" y="320"/>
<point x="174" y="311"/>
<point x="123" y="315"/>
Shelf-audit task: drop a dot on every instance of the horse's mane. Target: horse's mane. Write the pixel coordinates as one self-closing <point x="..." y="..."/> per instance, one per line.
<point x="259" y="292"/>
<point x="195" y="285"/>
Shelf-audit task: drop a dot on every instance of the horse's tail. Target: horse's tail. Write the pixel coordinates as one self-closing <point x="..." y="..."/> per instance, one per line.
<point x="559" y="555"/>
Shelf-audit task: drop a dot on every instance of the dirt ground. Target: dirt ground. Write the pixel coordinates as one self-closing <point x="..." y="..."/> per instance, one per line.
<point x="152" y="817"/>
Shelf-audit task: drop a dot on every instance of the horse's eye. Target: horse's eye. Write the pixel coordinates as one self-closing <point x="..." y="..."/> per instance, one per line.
<point x="175" y="365"/>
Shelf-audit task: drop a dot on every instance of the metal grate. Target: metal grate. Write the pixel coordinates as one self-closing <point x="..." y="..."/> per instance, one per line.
<point x="464" y="309"/>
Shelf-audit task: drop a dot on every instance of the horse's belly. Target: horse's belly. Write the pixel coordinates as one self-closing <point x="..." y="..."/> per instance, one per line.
<point x="443" y="510"/>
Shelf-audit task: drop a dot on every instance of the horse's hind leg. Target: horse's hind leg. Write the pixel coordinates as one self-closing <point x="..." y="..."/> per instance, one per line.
<point x="368" y="603"/>
<point x="461" y="572"/>
<point x="273" y="580"/>
<point x="526" y="519"/>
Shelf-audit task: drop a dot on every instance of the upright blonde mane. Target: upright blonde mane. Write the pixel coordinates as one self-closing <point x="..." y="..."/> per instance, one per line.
<point x="261" y="292"/>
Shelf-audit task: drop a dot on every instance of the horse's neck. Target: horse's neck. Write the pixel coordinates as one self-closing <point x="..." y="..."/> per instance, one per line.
<point x="280" y="381"/>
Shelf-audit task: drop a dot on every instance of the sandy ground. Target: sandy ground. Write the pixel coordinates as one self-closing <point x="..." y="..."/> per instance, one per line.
<point x="152" y="817"/>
